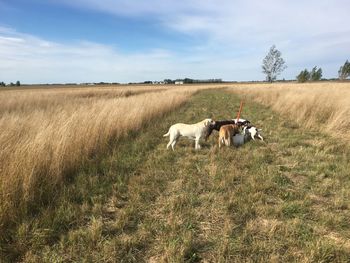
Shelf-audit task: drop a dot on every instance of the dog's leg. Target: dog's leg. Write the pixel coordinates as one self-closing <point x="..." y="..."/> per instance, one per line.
<point x="261" y="138"/>
<point x="172" y="141"/>
<point x="197" y="146"/>
<point x="253" y="133"/>
<point x="227" y="138"/>
<point x="173" y="144"/>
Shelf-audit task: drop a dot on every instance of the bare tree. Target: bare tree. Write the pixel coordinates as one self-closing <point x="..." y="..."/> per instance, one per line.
<point x="273" y="64"/>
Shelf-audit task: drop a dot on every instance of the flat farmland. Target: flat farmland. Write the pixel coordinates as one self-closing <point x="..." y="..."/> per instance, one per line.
<point x="85" y="175"/>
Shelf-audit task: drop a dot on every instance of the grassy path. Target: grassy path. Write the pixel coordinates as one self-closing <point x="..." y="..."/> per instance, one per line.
<point x="283" y="200"/>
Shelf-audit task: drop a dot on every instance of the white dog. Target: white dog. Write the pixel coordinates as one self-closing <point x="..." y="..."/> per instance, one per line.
<point x="191" y="131"/>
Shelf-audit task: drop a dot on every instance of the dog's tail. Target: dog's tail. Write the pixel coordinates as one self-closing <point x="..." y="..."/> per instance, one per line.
<point x="167" y="134"/>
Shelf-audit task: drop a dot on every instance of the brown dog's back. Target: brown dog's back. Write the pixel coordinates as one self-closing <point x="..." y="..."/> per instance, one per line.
<point x="226" y="133"/>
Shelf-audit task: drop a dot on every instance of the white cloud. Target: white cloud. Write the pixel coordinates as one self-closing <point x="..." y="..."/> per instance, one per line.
<point x="234" y="37"/>
<point x="232" y="19"/>
<point x="307" y="31"/>
<point x="35" y="60"/>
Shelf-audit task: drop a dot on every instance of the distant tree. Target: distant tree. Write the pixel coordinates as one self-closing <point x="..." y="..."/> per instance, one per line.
<point x="273" y="64"/>
<point x="2" y="84"/>
<point x="344" y="71"/>
<point x="11" y="84"/>
<point x="303" y="76"/>
<point x="188" y="80"/>
<point x="18" y="83"/>
<point x="315" y="74"/>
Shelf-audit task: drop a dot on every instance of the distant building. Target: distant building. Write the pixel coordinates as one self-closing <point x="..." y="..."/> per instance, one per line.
<point x="158" y="82"/>
<point x="179" y="82"/>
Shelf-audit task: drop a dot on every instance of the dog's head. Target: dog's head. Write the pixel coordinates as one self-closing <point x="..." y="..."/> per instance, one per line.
<point x="209" y="126"/>
<point x="243" y="124"/>
<point x="208" y="122"/>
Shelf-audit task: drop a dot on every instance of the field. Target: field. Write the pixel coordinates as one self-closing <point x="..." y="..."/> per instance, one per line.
<point x="325" y="106"/>
<point x="85" y="175"/>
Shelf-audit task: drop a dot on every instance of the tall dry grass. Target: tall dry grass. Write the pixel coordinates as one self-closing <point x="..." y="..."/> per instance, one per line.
<point x="26" y="100"/>
<point x="320" y="105"/>
<point x="47" y="134"/>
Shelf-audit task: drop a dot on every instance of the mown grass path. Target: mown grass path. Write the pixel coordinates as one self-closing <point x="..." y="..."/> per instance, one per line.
<point x="283" y="200"/>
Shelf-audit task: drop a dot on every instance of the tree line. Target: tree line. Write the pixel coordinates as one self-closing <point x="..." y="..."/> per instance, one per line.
<point x="314" y="75"/>
<point x="185" y="81"/>
<point x="17" y="84"/>
<point x="274" y="64"/>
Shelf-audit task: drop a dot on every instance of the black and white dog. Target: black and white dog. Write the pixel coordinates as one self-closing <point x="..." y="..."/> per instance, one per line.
<point x="249" y="132"/>
<point x="253" y="132"/>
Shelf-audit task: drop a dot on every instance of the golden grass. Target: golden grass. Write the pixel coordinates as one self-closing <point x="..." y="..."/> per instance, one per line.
<point x="26" y="100"/>
<point x="281" y="200"/>
<point x="325" y="106"/>
<point x="47" y="134"/>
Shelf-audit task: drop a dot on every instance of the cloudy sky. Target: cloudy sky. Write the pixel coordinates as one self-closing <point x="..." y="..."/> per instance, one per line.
<point x="51" y="41"/>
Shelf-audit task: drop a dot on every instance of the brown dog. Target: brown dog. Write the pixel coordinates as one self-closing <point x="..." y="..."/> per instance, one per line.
<point x="226" y="133"/>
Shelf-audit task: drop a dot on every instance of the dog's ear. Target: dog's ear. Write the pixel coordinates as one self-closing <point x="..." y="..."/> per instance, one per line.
<point x="207" y="122"/>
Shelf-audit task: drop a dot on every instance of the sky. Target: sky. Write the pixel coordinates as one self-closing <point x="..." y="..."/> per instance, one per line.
<point x="65" y="41"/>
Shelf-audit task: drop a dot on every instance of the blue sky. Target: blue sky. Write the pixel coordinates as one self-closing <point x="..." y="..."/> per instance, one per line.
<point x="53" y="41"/>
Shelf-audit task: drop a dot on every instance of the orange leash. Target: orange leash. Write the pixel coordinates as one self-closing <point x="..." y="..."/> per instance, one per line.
<point x="240" y="110"/>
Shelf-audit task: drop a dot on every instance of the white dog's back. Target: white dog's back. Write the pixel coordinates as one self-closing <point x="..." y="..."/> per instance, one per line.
<point x="191" y="131"/>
